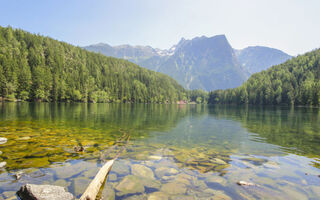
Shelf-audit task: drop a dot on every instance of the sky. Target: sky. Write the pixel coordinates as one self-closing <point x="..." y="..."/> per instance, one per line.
<point x="292" y="26"/>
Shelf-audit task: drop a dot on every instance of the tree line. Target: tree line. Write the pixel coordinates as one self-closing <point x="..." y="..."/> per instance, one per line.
<point x="295" y="82"/>
<point x="38" y="68"/>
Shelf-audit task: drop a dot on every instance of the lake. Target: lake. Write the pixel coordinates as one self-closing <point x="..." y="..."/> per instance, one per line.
<point x="165" y="151"/>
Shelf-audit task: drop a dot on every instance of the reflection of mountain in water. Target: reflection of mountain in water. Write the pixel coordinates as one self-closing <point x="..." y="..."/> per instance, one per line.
<point x="202" y="142"/>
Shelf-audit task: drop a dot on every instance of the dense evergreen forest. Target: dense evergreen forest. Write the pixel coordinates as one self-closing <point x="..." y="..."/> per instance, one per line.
<point x="295" y="82"/>
<point x="37" y="68"/>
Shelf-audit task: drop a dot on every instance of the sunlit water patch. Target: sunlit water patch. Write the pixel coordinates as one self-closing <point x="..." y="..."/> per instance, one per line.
<point x="172" y="152"/>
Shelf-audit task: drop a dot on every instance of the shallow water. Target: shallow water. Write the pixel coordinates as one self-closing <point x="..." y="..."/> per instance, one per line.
<point x="171" y="151"/>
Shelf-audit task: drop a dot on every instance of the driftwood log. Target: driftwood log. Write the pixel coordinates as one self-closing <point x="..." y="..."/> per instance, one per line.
<point x="94" y="187"/>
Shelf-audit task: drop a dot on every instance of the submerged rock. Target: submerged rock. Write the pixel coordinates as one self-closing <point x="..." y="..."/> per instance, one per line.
<point x="174" y="188"/>
<point x="165" y="171"/>
<point x="3" y="164"/>
<point x="120" y="168"/>
<point x="80" y="185"/>
<point x="182" y="197"/>
<point x="3" y="140"/>
<point x="141" y="170"/>
<point x="78" y="148"/>
<point x="43" y="192"/>
<point x="62" y="183"/>
<point x="108" y="193"/>
<point x="155" y="157"/>
<point x="221" y="195"/>
<point x="158" y="196"/>
<point x="9" y="195"/>
<point x="151" y="183"/>
<point x="112" y="177"/>
<point x="18" y="175"/>
<point x="24" y="138"/>
<point x="130" y="185"/>
<point x="137" y="197"/>
<point x="216" y="179"/>
<point x="244" y="183"/>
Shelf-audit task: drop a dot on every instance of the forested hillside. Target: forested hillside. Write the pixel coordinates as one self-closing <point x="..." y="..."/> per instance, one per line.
<point x="33" y="67"/>
<point x="295" y="82"/>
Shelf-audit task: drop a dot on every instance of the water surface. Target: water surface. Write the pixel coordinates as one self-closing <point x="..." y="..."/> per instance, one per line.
<point x="171" y="151"/>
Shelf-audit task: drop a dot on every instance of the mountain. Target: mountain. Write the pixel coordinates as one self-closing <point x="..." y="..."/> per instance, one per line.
<point x="258" y="58"/>
<point x="295" y="82"/>
<point x="33" y="67"/>
<point x="206" y="63"/>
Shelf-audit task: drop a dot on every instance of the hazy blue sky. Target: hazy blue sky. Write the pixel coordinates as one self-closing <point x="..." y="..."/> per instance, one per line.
<point x="290" y="25"/>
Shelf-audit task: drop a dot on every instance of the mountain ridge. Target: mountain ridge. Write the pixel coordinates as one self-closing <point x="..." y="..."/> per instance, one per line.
<point x="203" y="62"/>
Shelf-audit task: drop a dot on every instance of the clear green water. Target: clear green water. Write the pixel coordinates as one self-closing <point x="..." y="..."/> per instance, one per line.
<point x="174" y="152"/>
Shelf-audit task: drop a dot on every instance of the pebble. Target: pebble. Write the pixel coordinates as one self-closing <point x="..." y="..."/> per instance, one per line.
<point x="3" y="140"/>
<point x="3" y="164"/>
<point x="244" y="183"/>
<point x="18" y="175"/>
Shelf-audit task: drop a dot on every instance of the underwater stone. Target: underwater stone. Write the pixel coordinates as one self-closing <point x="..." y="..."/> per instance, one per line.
<point x="216" y="179"/>
<point x="151" y="183"/>
<point x="221" y="195"/>
<point x="174" y="188"/>
<point x="137" y="197"/>
<point x="9" y="194"/>
<point x="43" y="192"/>
<point x="182" y="197"/>
<point x="3" y="140"/>
<point x="80" y="185"/>
<point x="165" y="171"/>
<point x="141" y="170"/>
<point x="120" y="168"/>
<point x="62" y="183"/>
<point x="112" y="177"/>
<point x="130" y="185"/>
<point x="108" y="193"/>
<point x="158" y="196"/>
<point x="24" y="138"/>
<point x="3" y="164"/>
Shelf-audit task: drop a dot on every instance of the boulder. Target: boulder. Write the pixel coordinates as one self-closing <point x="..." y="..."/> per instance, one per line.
<point x="3" y="140"/>
<point x="43" y="192"/>
<point x="141" y="170"/>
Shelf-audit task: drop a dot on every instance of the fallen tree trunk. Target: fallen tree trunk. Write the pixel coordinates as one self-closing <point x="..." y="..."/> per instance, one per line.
<point x="94" y="187"/>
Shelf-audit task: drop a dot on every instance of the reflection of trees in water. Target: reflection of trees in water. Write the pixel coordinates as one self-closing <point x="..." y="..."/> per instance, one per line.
<point x="295" y="129"/>
<point x="42" y="133"/>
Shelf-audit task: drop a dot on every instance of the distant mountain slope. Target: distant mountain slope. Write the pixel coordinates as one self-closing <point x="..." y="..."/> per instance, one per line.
<point x="200" y="63"/>
<point x="295" y="82"/>
<point x="204" y="63"/>
<point x="34" y="67"/>
<point x="258" y="58"/>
